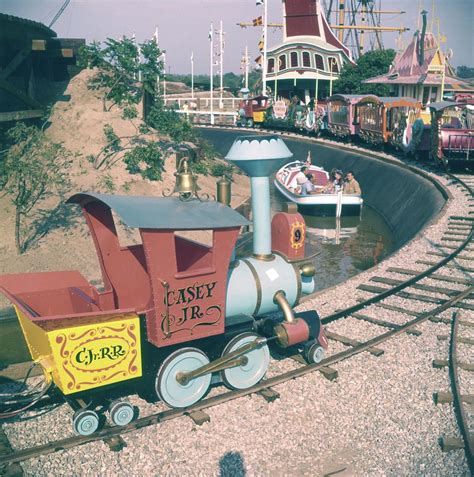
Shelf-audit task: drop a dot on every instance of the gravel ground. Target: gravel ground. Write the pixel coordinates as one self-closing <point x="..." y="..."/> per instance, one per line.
<point x="377" y="418"/>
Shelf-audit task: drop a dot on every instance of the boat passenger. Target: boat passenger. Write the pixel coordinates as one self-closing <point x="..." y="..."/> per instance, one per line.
<point x="308" y="186"/>
<point x="334" y="185"/>
<point x="299" y="179"/>
<point x="351" y="186"/>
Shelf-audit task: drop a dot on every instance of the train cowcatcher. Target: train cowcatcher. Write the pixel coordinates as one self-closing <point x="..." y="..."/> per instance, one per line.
<point x="174" y="316"/>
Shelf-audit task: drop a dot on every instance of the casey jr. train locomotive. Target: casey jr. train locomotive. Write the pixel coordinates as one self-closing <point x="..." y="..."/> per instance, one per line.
<point x="174" y="315"/>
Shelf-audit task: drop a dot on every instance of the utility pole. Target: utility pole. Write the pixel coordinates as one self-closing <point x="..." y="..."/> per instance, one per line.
<point x="211" y="85"/>
<point x="192" y="74"/>
<point x="246" y="66"/>
<point x="265" y="23"/>
<point x="164" y="76"/>
<point x="221" y="41"/>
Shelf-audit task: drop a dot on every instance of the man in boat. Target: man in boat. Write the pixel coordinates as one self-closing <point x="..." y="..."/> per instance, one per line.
<point x="309" y="186"/>
<point x="351" y="186"/>
<point x="299" y="179"/>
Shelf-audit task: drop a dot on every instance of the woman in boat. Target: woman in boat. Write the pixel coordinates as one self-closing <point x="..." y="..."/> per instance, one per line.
<point x="334" y="185"/>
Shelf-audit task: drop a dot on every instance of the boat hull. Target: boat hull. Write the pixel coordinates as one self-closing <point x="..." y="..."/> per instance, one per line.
<point x="322" y="204"/>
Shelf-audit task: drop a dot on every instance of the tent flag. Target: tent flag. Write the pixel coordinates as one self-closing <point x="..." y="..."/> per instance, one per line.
<point x="257" y="21"/>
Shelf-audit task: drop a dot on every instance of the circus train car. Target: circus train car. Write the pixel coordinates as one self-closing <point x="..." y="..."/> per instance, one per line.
<point x="174" y="315"/>
<point x="252" y="111"/>
<point x="388" y="120"/>
<point x="342" y="115"/>
<point x="452" y="133"/>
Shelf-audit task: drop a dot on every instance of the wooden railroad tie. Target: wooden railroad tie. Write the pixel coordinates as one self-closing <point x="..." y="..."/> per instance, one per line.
<point x="460" y="217"/>
<point x="443" y="397"/>
<point x="460" y="339"/>
<point x="444" y="363"/>
<point x="269" y="394"/>
<point x="384" y="323"/>
<point x="443" y="254"/>
<point x="199" y="417"/>
<point x="329" y="373"/>
<point x="433" y="276"/>
<point x="415" y="296"/>
<point x="351" y="342"/>
<point x="418" y="286"/>
<point x="448" y="265"/>
<point x="458" y="233"/>
<point x="399" y="309"/>
<point x="8" y="470"/>
<point x="115" y="443"/>
<point x="452" y="239"/>
<point x="448" y="321"/>
<point x="448" y="444"/>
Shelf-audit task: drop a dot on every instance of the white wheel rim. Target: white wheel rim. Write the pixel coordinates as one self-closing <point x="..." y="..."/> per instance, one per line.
<point x="86" y="423"/>
<point x="245" y="376"/>
<point x="170" y="391"/>
<point x="122" y="414"/>
<point x="317" y="354"/>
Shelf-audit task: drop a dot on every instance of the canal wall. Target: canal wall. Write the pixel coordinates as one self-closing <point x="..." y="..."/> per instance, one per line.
<point x="406" y="200"/>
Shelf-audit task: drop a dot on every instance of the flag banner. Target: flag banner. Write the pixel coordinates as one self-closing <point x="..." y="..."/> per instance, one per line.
<point x="261" y="44"/>
<point x="210" y="34"/>
<point x="257" y="21"/>
<point x="259" y="2"/>
<point x="258" y="60"/>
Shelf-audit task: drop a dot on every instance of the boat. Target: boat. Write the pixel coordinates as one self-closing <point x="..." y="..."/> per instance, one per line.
<point x="335" y="204"/>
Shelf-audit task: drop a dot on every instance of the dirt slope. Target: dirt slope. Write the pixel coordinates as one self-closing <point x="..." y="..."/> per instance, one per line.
<point x="61" y="241"/>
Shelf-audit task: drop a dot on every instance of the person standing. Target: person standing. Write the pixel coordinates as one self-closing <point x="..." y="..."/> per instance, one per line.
<point x="351" y="186"/>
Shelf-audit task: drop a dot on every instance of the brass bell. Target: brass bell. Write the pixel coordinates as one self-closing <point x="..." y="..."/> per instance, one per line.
<point x="186" y="181"/>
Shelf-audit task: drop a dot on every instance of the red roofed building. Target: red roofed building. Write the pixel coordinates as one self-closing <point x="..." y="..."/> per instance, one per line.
<point x="310" y="56"/>
<point x="422" y="72"/>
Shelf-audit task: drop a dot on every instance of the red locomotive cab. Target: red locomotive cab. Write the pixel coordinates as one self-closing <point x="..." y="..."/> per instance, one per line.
<point x="179" y="284"/>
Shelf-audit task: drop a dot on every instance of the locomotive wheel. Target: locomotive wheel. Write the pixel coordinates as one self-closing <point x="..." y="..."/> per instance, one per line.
<point x="85" y="422"/>
<point x="167" y="387"/>
<point x="121" y="413"/>
<point x="250" y="123"/>
<point x="250" y="373"/>
<point x="313" y="352"/>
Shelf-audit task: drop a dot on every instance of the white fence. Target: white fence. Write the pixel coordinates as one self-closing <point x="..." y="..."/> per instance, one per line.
<point x="204" y="103"/>
<point x="205" y="117"/>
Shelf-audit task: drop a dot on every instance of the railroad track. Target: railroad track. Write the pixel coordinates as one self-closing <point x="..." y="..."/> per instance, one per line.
<point x="459" y="395"/>
<point x="460" y="228"/>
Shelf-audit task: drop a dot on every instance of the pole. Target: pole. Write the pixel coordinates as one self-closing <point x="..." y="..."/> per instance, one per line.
<point x="264" y="69"/>
<point x="330" y="78"/>
<point x="221" y="40"/>
<point x="164" y="76"/>
<point x="246" y="66"/>
<point x="192" y="75"/>
<point x="211" y="85"/>
<point x="316" y="93"/>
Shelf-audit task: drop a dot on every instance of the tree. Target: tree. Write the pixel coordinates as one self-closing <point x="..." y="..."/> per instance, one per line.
<point x="464" y="71"/>
<point x="32" y="168"/>
<point x="119" y="68"/>
<point x="372" y="63"/>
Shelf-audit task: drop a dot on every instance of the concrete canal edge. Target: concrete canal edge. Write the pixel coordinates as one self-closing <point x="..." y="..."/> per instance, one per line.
<point x="389" y="186"/>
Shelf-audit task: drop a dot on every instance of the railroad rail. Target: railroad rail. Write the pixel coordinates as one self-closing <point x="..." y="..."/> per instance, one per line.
<point x="463" y="229"/>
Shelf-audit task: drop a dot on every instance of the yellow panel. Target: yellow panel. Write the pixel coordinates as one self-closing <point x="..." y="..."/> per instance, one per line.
<point x="95" y="355"/>
<point x="426" y="117"/>
<point x="259" y="116"/>
<point x="436" y="61"/>
<point x="36" y="338"/>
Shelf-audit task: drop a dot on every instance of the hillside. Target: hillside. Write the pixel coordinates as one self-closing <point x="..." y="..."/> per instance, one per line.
<point x="61" y="240"/>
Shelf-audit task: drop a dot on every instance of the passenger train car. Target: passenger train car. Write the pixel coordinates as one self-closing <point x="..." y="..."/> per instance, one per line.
<point x="398" y="122"/>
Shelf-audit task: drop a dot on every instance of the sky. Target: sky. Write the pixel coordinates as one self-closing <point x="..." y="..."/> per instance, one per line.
<point x="184" y="25"/>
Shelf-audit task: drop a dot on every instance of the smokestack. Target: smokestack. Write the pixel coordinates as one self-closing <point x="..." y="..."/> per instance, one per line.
<point x="421" y="56"/>
<point x="260" y="156"/>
